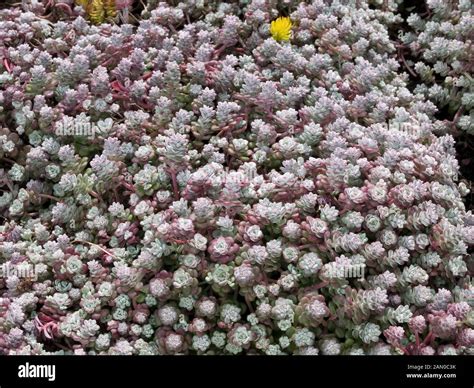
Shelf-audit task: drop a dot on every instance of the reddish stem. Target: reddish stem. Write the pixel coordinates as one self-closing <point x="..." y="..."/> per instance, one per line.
<point x="174" y="182"/>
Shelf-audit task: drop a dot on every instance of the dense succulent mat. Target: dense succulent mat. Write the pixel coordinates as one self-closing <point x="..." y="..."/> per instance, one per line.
<point x="242" y="177"/>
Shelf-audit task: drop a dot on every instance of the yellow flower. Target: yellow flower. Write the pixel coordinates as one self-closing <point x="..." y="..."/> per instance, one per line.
<point x="96" y="11"/>
<point x="110" y="9"/>
<point x="99" y="11"/>
<point x="281" y="28"/>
